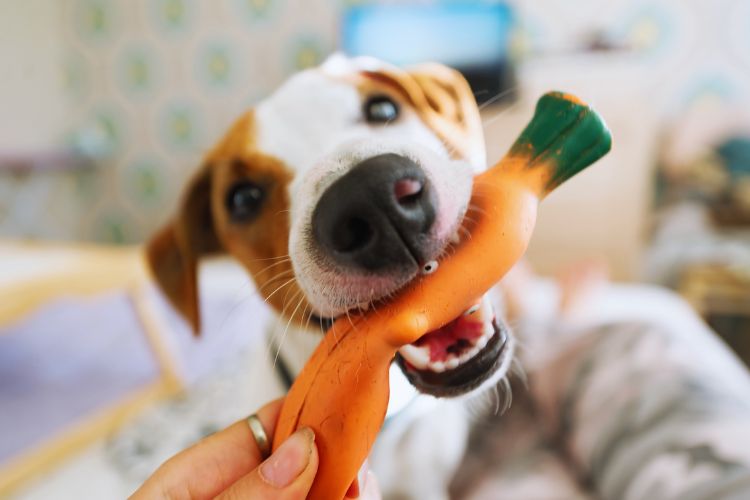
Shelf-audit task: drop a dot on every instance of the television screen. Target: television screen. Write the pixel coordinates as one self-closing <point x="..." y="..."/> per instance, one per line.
<point x="473" y="37"/>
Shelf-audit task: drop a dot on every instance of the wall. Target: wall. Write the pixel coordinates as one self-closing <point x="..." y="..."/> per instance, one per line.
<point x="30" y="54"/>
<point x="149" y="86"/>
<point x="152" y="83"/>
<point x="688" y="53"/>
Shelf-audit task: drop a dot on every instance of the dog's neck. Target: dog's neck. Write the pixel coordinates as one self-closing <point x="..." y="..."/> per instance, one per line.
<point x="291" y="345"/>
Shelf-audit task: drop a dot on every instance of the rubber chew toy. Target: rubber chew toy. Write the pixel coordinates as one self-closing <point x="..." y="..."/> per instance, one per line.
<point x="342" y="392"/>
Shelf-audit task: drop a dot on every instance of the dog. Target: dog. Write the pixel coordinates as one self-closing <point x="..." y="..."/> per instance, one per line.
<point x="334" y="193"/>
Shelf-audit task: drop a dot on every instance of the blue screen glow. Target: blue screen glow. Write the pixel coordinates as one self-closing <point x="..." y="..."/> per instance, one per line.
<point x="462" y="35"/>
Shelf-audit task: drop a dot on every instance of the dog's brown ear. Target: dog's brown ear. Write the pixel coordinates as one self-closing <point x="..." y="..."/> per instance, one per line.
<point x="173" y="253"/>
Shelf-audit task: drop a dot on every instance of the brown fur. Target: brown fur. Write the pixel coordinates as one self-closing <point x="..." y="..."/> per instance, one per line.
<point x="439" y="95"/>
<point x="443" y="100"/>
<point x="201" y="226"/>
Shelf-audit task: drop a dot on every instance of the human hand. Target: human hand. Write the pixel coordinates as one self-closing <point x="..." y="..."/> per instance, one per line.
<point x="229" y="465"/>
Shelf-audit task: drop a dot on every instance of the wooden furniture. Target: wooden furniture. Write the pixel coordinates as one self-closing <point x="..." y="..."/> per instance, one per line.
<point x="82" y="351"/>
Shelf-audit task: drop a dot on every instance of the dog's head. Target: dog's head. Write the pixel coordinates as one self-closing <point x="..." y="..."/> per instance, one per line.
<point x="334" y="193"/>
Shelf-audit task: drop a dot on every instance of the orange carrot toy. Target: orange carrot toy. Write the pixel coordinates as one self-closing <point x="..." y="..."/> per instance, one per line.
<point x="342" y="392"/>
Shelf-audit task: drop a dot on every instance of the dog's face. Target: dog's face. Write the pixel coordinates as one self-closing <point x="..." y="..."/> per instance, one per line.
<point x="334" y="193"/>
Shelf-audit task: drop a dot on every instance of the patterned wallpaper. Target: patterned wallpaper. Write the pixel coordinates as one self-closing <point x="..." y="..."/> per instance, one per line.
<point x="150" y="84"/>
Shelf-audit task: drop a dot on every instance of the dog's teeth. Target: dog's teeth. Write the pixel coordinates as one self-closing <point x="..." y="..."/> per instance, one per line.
<point x="468" y="355"/>
<point x="489" y="329"/>
<point x="481" y="310"/>
<point x="437" y="366"/>
<point x="419" y="357"/>
<point x="472" y="309"/>
<point x="366" y="306"/>
<point x="482" y="342"/>
<point x="455" y="238"/>
<point x="452" y="363"/>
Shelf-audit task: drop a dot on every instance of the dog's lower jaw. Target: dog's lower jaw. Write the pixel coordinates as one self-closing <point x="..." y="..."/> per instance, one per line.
<point x="487" y="367"/>
<point x="423" y="438"/>
<point x="292" y="344"/>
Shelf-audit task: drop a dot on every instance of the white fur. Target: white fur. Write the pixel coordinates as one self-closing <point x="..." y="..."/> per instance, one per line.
<point x="314" y="124"/>
<point x="330" y="291"/>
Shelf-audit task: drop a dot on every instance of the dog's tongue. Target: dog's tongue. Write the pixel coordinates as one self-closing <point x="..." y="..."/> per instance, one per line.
<point x="453" y="337"/>
<point x="458" y="336"/>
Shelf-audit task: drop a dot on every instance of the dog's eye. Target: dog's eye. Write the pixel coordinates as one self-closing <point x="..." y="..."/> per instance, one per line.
<point x="380" y="109"/>
<point x="244" y="200"/>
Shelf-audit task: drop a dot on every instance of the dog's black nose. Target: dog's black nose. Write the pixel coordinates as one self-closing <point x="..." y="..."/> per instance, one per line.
<point x="378" y="216"/>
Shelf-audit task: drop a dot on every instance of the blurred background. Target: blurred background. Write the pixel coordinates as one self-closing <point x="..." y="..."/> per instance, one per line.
<point x="107" y="106"/>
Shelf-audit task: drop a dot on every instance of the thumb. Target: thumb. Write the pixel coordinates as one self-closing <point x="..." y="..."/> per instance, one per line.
<point x="287" y="474"/>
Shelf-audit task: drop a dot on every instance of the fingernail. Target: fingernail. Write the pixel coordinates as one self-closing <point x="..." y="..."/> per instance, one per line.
<point x="290" y="460"/>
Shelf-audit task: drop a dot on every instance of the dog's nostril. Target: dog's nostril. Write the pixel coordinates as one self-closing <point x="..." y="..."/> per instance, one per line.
<point x="407" y="191"/>
<point x="355" y="234"/>
<point x="377" y="217"/>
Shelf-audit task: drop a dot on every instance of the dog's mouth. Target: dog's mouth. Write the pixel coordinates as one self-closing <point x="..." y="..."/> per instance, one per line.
<point x="458" y="357"/>
<point x="473" y="349"/>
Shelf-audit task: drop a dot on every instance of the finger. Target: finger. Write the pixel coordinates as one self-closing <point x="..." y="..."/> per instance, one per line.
<point x="213" y="464"/>
<point x="288" y="473"/>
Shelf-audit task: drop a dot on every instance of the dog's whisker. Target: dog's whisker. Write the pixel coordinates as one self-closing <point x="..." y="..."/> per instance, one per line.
<point x="283" y="272"/>
<point x="470" y="219"/>
<point x="350" y="320"/>
<point x="277" y="277"/>
<point x="288" y="324"/>
<point x="285" y="275"/>
<point x="288" y="291"/>
<point x="476" y="209"/>
<point x="234" y="309"/>
<point x="277" y="257"/>
<point x="496" y="394"/>
<point x="286" y="283"/>
<point x="274" y="341"/>
<point x="241" y="301"/>
<point x="498" y="96"/>
<point x="465" y="233"/>
<point x="486" y="123"/>
<point x="508" y="392"/>
<point x="258" y="273"/>
<point x="473" y="207"/>
<point x="308" y="311"/>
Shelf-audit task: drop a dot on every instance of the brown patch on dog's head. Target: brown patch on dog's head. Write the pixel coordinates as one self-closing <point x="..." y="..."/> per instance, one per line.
<point x="204" y="226"/>
<point x="442" y="98"/>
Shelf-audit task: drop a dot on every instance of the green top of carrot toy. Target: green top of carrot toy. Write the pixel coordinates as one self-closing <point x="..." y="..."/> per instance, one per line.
<point x="565" y="132"/>
<point x="342" y="392"/>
